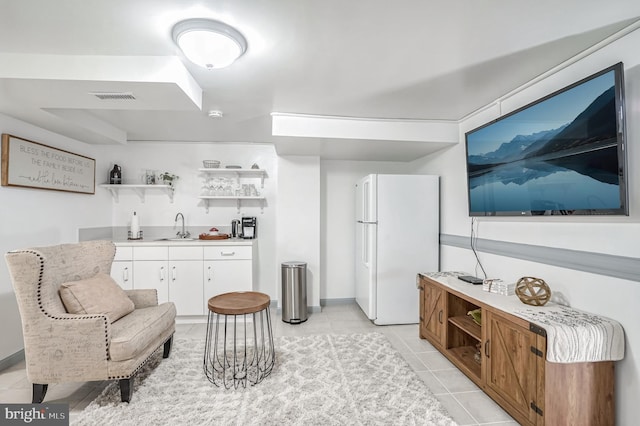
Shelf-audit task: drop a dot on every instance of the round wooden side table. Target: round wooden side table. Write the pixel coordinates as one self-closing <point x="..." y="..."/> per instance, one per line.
<point x="239" y="341"/>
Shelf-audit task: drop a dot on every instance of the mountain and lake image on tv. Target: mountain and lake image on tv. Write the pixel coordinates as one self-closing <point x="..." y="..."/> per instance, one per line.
<point x="561" y="155"/>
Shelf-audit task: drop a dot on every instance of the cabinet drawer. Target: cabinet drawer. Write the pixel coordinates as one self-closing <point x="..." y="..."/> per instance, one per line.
<point x="124" y="253"/>
<point x="228" y="252"/>
<point x="185" y="253"/>
<point x="150" y="253"/>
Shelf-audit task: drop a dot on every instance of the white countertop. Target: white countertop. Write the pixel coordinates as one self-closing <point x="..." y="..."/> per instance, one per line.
<point x="196" y="242"/>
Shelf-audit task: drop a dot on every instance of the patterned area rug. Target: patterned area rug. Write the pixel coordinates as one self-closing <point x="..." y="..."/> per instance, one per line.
<point x="356" y="379"/>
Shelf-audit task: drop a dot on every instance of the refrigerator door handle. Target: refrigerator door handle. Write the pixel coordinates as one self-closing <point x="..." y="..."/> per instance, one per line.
<point x="365" y="242"/>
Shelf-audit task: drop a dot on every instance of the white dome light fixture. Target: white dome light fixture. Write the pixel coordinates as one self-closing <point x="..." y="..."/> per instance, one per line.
<point x="208" y="43"/>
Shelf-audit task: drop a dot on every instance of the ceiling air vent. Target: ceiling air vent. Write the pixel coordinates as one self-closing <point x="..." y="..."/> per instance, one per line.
<point x="114" y="96"/>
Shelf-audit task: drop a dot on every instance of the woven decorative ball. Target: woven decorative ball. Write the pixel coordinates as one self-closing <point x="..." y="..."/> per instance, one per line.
<point x="533" y="291"/>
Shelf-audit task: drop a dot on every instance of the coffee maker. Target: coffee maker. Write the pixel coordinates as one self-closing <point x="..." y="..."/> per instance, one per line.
<point x="249" y="227"/>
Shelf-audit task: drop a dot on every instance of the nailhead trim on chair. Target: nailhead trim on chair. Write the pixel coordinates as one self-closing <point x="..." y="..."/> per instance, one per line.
<point x="139" y="366"/>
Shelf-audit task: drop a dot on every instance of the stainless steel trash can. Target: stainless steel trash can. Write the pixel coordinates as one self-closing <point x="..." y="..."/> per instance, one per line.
<point x="294" y="292"/>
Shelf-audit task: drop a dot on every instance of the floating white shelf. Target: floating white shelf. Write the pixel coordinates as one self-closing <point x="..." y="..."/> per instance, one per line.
<point x="239" y="173"/>
<point x="208" y="198"/>
<point x="138" y="189"/>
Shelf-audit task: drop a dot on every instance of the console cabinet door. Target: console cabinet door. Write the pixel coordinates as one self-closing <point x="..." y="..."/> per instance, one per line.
<point x="511" y="364"/>
<point x="433" y="316"/>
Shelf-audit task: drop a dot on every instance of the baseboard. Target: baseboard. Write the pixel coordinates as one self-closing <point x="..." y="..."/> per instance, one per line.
<point x="343" y="301"/>
<point x="314" y="309"/>
<point x="12" y="360"/>
<point x="323" y="302"/>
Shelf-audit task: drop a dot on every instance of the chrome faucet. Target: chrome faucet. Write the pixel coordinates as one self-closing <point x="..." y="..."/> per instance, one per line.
<point x="182" y="234"/>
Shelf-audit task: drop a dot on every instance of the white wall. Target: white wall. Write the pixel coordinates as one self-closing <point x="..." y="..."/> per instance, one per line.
<point x="614" y="298"/>
<point x="298" y="219"/>
<point x="338" y="179"/>
<point x="184" y="159"/>
<point x="35" y="217"/>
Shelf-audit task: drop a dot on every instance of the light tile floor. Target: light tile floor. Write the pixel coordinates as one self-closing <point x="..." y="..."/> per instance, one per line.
<point x="466" y="403"/>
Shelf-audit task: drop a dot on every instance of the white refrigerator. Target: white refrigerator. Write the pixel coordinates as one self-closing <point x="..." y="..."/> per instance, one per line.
<point x="397" y="236"/>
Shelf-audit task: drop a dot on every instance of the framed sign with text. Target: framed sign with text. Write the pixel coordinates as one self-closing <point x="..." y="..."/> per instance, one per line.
<point x="34" y="165"/>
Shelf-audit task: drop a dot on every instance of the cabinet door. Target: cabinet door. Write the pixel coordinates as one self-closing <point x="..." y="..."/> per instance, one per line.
<point x="433" y="321"/>
<point x="122" y="273"/>
<point x="185" y="286"/>
<point x="152" y="274"/>
<point x="223" y="276"/>
<point x="123" y="253"/>
<point x="511" y="365"/>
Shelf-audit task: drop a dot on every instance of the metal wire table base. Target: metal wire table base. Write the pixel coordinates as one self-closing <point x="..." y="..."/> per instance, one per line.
<point x="238" y="349"/>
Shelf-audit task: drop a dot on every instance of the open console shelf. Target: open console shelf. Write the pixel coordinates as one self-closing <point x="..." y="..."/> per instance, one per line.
<point x="463" y="335"/>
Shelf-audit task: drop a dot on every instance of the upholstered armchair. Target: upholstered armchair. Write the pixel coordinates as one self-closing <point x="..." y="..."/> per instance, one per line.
<point x="76" y="325"/>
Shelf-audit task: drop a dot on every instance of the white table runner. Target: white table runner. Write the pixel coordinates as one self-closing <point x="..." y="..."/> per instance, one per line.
<point x="576" y="336"/>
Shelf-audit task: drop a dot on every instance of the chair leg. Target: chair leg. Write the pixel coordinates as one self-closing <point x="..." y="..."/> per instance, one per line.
<point x="126" y="389"/>
<point x="167" y="347"/>
<point x="39" y="391"/>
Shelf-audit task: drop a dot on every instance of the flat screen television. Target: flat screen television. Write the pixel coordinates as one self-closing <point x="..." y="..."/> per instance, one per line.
<point x="563" y="154"/>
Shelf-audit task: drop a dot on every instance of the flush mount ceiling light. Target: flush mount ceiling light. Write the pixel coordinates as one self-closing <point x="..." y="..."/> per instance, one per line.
<point x="214" y="114"/>
<point x="208" y="43"/>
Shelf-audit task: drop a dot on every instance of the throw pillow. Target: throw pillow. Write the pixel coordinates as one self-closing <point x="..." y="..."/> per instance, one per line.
<point x="99" y="294"/>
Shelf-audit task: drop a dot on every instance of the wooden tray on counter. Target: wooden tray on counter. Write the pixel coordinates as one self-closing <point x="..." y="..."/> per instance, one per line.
<point x="214" y="237"/>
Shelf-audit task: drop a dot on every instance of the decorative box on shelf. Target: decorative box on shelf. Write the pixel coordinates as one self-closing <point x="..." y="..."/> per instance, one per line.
<point x="499" y="287"/>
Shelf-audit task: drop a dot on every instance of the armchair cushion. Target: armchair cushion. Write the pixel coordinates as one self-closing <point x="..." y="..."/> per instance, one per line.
<point x="132" y="334"/>
<point x="143" y="298"/>
<point x="99" y="294"/>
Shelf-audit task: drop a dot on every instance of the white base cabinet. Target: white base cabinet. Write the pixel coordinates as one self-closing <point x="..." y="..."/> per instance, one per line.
<point x="152" y="274"/>
<point x="122" y="273"/>
<point x="150" y="270"/>
<point x="185" y="275"/>
<point x="225" y="276"/>
<point x="122" y="268"/>
<point x="185" y="286"/>
<point x="185" y="279"/>
<point x="227" y="269"/>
